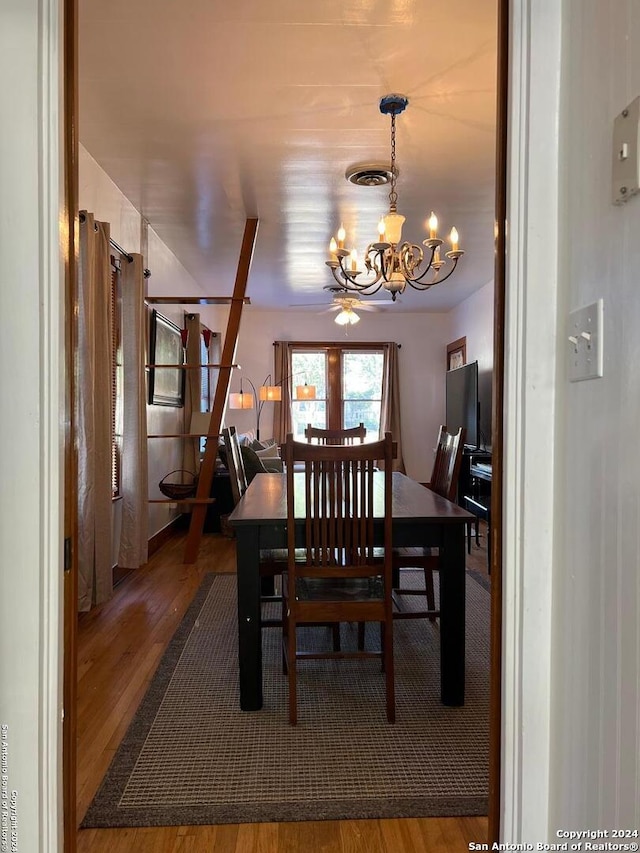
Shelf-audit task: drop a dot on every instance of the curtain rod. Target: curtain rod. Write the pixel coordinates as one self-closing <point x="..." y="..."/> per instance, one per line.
<point x="146" y="272"/>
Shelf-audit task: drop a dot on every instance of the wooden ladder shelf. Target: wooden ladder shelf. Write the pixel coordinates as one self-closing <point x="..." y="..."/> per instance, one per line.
<point x="207" y="469"/>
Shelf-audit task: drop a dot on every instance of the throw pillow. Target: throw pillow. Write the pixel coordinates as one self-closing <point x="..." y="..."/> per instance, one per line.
<point x="252" y="463"/>
<point x="272" y="452"/>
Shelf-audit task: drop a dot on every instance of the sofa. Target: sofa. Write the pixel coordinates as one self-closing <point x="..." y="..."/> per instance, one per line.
<point x="259" y="457"/>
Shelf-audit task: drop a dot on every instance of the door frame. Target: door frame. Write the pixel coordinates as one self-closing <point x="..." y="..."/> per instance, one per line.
<point x="531" y="371"/>
<point x="527" y="420"/>
<point x="33" y="426"/>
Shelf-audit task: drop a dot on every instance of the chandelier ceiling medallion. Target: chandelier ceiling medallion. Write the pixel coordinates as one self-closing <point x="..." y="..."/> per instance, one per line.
<point x="389" y="263"/>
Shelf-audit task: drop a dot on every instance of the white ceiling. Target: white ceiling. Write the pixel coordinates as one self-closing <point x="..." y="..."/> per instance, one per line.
<point x="205" y="113"/>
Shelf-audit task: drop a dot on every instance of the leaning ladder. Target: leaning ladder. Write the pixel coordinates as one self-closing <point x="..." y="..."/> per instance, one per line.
<point x="207" y="469"/>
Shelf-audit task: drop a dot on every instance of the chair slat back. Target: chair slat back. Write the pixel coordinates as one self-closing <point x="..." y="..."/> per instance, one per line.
<point x="446" y="465"/>
<point x="317" y="435"/>
<point x="235" y="463"/>
<point x="338" y="488"/>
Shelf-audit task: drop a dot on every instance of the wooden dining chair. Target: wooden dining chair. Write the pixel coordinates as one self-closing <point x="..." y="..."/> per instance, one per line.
<point x="444" y="481"/>
<point x="317" y="435"/>
<point x="235" y="463"/>
<point x="272" y="563"/>
<point x="340" y="578"/>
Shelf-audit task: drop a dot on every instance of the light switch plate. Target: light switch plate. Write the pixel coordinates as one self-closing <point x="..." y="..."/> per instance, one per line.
<point x="584" y="333"/>
<point x="626" y="162"/>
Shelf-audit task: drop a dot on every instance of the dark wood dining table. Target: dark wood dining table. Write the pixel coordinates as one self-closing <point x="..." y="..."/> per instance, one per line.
<point x="420" y="518"/>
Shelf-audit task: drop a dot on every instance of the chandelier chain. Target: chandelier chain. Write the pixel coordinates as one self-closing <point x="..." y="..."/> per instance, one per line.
<point x="393" y="195"/>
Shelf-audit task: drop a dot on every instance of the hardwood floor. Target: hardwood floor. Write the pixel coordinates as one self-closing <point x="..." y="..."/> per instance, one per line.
<point x="119" y="646"/>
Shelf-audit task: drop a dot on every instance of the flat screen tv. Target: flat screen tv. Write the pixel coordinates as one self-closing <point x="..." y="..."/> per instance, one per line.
<point x="462" y="402"/>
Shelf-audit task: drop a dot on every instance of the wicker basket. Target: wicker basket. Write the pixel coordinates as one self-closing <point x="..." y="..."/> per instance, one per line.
<point x="178" y="491"/>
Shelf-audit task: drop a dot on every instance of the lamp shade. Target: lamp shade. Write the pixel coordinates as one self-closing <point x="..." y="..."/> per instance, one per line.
<point x="305" y="392"/>
<point x="241" y="400"/>
<point x="270" y="393"/>
<point x="393" y="227"/>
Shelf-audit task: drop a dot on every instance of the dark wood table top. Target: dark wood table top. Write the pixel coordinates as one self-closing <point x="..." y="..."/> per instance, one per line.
<point x="265" y="501"/>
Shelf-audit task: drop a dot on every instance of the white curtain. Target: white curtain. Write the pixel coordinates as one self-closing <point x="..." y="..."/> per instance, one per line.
<point x="390" y="414"/>
<point x="94" y="414"/>
<point x="134" y="485"/>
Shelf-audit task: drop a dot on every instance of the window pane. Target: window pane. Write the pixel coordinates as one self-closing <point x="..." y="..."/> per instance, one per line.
<point x="362" y="375"/>
<point x="309" y="368"/>
<point x="366" y="412"/>
<point x="362" y="390"/>
<point x="116" y="380"/>
<point x="307" y="412"/>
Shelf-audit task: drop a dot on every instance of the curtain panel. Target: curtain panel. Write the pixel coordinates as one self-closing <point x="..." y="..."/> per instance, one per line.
<point x="134" y="484"/>
<point x="390" y="409"/>
<point x="94" y="414"/>
<point x="282" y="424"/>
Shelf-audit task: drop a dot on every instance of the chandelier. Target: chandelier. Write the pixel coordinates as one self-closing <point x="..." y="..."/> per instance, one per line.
<point x="389" y="263"/>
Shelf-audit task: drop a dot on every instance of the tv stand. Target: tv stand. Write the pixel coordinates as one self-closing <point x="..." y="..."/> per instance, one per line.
<point x="474" y="490"/>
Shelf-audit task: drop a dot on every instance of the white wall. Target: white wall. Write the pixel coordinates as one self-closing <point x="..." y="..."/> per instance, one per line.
<point x="423" y="337"/>
<point x="595" y="765"/>
<point x="99" y="195"/>
<point x="473" y="319"/>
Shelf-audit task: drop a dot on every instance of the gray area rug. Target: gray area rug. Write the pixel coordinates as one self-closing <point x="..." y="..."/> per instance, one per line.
<point x="191" y="756"/>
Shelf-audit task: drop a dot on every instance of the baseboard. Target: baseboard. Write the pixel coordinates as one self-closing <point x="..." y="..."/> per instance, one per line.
<point x="168" y="531"/>
<point x="155" y="543"/>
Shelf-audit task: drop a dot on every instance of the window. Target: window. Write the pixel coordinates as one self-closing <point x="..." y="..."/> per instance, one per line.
<point x="348" y="382"/>
<point x="208" y="375"/>
<point x="116" y="378"/>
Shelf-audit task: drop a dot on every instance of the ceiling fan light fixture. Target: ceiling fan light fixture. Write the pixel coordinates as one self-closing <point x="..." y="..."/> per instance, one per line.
<point x="387" y="260"/>
<point x="347" y="317"/>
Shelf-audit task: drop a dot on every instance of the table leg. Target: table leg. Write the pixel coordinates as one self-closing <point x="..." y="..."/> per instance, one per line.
<point x="452" y="614"/>
<point x="249" y="632"/>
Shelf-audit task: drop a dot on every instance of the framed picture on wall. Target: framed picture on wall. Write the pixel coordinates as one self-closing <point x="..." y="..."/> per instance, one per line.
<point x="456" y="353"/>
<point x="166" y="385"/>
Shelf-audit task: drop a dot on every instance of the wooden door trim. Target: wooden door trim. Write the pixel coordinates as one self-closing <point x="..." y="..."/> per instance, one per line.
<point x="497" y="392"/>
<point x="70" y="594"/>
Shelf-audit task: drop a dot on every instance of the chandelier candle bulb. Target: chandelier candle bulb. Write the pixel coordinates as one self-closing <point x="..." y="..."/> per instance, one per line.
<point x="333" y="248"/>
<point x="433" y="226"/>
<point x="381" y="229"/>
<point x="341" y="235"/>
<point x="354" y="260"/>
<point x="454" y="240"/>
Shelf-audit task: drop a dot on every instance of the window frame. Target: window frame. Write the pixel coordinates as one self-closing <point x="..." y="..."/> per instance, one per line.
<point x="334" y="353"/>
<point x="116" y="378"/>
